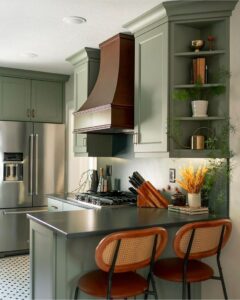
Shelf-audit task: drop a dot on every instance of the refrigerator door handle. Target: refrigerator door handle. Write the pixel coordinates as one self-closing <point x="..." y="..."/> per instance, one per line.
<point x="23" y="212"/>
<point x="36" y="163"/>
<point x="30" y="165"/>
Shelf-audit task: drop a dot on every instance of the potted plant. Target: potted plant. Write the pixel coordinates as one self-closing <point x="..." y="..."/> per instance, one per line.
<point x="192" y="182"/>
<point x="200" y="93"/>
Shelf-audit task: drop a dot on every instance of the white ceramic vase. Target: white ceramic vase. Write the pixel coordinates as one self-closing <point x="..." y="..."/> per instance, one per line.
<point x="194" y="200"/>
<point x="199" y="108"/>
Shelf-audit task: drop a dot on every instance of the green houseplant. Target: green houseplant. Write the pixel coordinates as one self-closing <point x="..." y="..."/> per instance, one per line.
<point x="200" y="93"/>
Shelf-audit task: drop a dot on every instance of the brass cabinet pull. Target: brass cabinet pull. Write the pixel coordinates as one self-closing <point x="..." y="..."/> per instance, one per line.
<point x="33" y="113"/>
<point x="28" y="113"/>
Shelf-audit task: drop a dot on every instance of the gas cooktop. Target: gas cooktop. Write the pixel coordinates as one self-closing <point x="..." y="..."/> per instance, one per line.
<point x="108" y="199"/>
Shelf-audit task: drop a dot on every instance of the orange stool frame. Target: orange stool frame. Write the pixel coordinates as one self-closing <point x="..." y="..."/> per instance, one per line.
<point x="118" y="256"/>
<point x="193" y="242"/>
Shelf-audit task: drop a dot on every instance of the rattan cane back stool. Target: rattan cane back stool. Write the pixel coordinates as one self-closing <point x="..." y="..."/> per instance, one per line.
<point x="193" y="242"/>
<point x="118" y="256"/>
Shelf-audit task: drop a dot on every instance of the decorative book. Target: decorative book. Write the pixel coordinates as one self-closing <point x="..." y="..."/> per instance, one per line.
<point x="199" y="70"/>
<point x="188" y="210"/>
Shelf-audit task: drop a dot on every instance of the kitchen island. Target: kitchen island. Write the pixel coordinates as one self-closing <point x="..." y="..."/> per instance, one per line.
<point x="62" y="245"/>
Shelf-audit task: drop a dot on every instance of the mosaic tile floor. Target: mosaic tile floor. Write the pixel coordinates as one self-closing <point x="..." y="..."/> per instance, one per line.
<point x="14" y="278"/>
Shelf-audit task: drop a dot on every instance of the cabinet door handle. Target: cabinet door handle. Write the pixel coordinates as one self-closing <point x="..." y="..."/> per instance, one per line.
<point x="28" y="113"/>
<point x="33" y="113"/>
<point x="135" y="138"/>
<point x="84" y="142"/>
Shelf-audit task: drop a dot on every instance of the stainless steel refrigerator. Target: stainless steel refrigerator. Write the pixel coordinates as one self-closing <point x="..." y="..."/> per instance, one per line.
<point x="32" y="160"/>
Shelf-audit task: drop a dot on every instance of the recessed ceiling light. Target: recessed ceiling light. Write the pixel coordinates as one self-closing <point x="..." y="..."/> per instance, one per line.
<point x="29" y="55"/>
<point x="74" y="20"/>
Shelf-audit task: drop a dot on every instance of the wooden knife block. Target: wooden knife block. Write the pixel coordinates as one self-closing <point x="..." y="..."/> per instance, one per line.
<point x="149" y="196"/>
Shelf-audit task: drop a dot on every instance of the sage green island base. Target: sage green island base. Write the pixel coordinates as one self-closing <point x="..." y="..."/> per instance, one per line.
<point x="62" y="246"/>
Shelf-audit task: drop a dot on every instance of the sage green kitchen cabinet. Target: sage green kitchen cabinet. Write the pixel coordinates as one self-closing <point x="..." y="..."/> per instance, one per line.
<point x="31" y="96"/>
<point x="58" y="205"/>
<point x="55" y="205"/>
<point x="15" y="99"/>
<point x="70" y="207"/>
<point x="47" y="101"/>
<point x="151" y="92"/>
<point x="164" y="63"/>
<point x="86" y="67"/>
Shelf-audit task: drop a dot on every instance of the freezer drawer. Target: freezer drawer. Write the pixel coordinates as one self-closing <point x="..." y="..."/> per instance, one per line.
<point x="14" y="229"/>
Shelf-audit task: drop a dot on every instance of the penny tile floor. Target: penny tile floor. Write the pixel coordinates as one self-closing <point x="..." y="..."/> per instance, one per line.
<point x="15" y="278"/>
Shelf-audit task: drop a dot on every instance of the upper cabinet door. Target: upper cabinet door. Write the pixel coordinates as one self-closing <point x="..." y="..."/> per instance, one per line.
<point x="151" y="92"/>
<point x="80" y="85"/>
<point x="47" y="101"/>
<point x="80" y="96"/>
<point x="15" y="99"/>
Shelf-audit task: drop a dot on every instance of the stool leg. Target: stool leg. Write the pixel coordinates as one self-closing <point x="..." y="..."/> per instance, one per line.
<point x="151" y="280"/>
<point x="222" y="279"/>
<point x="189" y="290"/>
<point x="76" y="293"/>
<point x="183" y="289"/>
<point x="154" y="287"/>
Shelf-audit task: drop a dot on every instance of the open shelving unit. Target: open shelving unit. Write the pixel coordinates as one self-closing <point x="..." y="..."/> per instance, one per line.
<point x="182" y="124"/>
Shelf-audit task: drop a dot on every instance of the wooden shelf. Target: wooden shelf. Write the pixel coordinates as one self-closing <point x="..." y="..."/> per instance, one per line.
<point x="200" y="53"/>
<point x="189" y="86"/>
<point x="196" y="153"/>
<point x="199" y="118"/>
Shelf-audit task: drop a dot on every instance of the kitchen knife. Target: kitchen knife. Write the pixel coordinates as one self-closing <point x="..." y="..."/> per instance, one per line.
<point x="135" y="181"/>
<point x="131" y="189"/>
<point x="138" y="176"/>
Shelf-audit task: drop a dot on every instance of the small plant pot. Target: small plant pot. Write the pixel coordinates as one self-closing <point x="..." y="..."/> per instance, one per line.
<point x="199" y="108"/>
<point x="194" y="200"/>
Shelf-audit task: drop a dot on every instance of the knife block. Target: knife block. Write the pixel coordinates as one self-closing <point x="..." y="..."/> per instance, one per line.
<point x="149" y="196"/>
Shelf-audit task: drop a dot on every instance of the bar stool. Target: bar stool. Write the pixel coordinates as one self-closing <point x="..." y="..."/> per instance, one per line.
<point x="118" y="256"/>
<point x="193" y="242"/>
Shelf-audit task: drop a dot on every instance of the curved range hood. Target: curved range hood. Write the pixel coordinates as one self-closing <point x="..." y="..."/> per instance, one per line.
<point x="110" y="106"/>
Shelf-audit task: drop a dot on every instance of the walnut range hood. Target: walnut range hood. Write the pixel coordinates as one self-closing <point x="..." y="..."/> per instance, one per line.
<point x="110" y="106"/>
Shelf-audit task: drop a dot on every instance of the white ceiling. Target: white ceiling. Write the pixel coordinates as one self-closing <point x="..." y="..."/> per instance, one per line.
<point x="36" y="26"/>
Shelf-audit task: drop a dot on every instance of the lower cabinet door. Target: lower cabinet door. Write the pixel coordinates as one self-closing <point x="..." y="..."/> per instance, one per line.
<point x="54" y="205"/>
<point x="69" y="207"/>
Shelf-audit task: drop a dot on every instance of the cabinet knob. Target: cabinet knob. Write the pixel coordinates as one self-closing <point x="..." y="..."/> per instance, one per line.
<point x="135" y="138"/>
<point x="28" y="113"/>
<point x="33" y="113"/>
